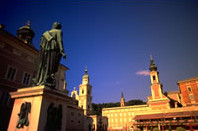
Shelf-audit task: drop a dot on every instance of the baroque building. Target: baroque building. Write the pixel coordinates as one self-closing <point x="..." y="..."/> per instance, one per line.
<point x="18" y="57"/>
<point x="157" y="100"/>
<point x="85" y="95"/>
<point x="84" y="98"/>
<point x="17" y="61"/>
<point x="189" y="91"/>
<point x="164" y="110"/>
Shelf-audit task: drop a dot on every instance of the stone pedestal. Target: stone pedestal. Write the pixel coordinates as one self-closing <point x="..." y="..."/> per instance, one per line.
<point x="42" y="100"/>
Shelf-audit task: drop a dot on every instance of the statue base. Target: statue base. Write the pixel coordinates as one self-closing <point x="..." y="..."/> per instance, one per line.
<point x="40" y="108"/>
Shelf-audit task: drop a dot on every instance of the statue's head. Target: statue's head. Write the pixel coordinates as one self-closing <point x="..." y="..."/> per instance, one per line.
<point x="56" y="25"/>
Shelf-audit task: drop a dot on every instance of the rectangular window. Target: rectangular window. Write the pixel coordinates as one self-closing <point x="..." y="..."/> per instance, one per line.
<point x="11" y="73"/>
<point x="26" y="78"/>
<point x="191" y="96"/>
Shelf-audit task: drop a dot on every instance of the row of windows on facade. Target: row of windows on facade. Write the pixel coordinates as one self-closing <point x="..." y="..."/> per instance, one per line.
<point x="11" y="74"/>
<point x="122" y="114"/>
<point x="190" y="89"/>
<point x="191" y="96"/>
<point x="174" y="119"/>
<point x="72" y="114"/>
<point x="72" y="121"/>
<point x="126" y="110"/>
<point x="119" y="120"/>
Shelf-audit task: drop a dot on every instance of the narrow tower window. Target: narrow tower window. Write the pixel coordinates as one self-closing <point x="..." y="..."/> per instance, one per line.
<point x="153" y="77"/>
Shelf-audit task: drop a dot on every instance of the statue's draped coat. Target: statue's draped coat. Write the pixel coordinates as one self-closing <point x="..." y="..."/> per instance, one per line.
<point x="51" y="49"/>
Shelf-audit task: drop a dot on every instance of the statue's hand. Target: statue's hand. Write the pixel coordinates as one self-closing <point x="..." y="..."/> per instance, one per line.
<point x="64" y="56"/>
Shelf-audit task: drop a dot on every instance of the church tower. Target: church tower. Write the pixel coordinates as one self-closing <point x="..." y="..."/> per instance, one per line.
<point x="25" y="33"/>
<point x="156" y="86"/>
<point x="157" y="100"/>
<point x="85" y="95"/>
<point x="122" y="101"/>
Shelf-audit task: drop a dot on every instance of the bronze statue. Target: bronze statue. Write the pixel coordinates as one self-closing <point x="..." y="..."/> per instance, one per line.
<point x="51" y="51"/>
<point x="23" y="115"/>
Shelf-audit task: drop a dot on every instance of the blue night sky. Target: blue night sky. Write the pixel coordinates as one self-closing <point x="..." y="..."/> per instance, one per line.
<point x="114" y="40"/>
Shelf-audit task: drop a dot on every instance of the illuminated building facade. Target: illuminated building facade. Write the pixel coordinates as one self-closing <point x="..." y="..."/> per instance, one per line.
<point x="164" y="111"/>
<point x="18" y="57"/>
<point x="189" y="91"/>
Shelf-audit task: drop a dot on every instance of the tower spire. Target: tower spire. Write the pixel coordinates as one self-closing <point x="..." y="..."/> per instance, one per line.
<point x="122" y="101"/>
<point x="151" y="56"/>
<point x="156" y="90"/>
<point x="85" y="79"/>
<point x="28" y="23"/>
<point x="153" y="67"/>
<point x="122" y="96"/>
<point x="85" y="69"/>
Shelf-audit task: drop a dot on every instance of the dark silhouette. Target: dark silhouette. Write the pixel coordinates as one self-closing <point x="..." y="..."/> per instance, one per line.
<point x="50" y="53"/>
<point x="54" y="118"/>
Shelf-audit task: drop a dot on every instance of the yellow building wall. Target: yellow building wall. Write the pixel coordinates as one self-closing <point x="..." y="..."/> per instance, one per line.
<point x="121" y="117"/>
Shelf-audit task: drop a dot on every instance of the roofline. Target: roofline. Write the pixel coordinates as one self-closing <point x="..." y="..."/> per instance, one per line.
<point x="125" y="107"/>
<point x="172" y="92"/>
<point x="29" y="46"/>
<point x="189" y="79"/>
<point x="63" y="66"/>
<point x="20" y="41"/>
